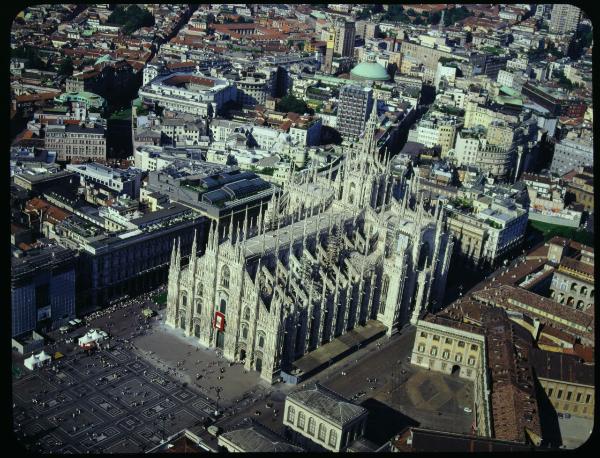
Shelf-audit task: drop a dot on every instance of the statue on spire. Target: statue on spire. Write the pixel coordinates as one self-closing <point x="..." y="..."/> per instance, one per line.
<point x="369" y="145"/>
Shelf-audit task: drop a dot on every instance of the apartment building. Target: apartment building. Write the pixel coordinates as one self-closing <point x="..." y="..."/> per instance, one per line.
<point x="487" y="235"/>
<point x="564" y="18"/>
<point x="76" y="143"/>
<point x="571" y="153"/>
<point x="567" y="382"/>
<point x="438" y="131"/>
<point x="121" y="181"/>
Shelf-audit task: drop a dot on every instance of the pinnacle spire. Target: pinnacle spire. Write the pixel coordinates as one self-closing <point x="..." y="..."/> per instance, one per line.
<point x="231" y="225"/>
<point x="193" y="252"/>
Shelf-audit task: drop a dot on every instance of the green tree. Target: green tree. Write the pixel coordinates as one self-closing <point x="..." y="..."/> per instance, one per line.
<point x="434" y="18"/>
<point x="395" y="13"/>
<point x="290" y="103"/>
<point x="66" y="67"/>
<point x="131" y="18"/>
<point x="456" y="14"/>
<point x="32" y="55"/>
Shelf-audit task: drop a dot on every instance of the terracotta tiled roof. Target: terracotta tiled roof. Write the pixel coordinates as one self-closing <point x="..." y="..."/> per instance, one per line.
<point x="35" y="97"/>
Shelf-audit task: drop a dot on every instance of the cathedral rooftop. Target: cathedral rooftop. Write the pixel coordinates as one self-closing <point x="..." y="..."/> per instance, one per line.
<point x="319" y="222"/>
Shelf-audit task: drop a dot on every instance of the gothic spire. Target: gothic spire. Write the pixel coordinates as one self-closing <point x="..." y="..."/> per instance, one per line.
<point x="193" y="254"/>
<point x="177" y="262"/>
<point x="369" y="146"/>
<point x="230" y="233"/>
<point x="245" y="228"/>
<point x="260" y="218"/>
<point x="173" y="254"/>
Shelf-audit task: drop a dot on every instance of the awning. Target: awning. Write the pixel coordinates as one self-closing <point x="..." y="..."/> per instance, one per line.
<point x="339" y="347"/>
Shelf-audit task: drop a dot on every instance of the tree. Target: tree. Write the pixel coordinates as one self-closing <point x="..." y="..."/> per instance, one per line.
<point x="395" y="13"/>
<point x="434" y="18"/>
<point x="456" y="14"/>
<point x="364" y="14"/>
<point x="289" y="103"/>
<point x="32" y="55"/>
<point x="131" y="18"/>
<point x="66" y="67"/>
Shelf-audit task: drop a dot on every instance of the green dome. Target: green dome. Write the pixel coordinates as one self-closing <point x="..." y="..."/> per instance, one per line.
<point x="104" y="58"/>
<point x="371" y="71"/>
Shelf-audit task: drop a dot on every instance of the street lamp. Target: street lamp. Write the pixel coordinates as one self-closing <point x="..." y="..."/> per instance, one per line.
<point x="218" y="390"/>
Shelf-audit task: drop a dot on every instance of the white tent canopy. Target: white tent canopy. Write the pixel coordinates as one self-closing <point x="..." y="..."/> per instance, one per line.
<point x="92" y="336"/>
<point x="35" y="361"/>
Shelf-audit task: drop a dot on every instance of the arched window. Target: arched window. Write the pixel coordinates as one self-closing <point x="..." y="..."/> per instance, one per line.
<point x="291" y="415"/>
<point x="247" y="313"/>
<point x="332" y="438"/>
<point x="225" y="277"/>
<point x="311" y="426"/>
<point x="261" y="341"/>
<point x="223" y="306"/>
<point x="300" y="420"/>
<point x="244" y="332"/>
<point x="580" y="305"/>
<point x="184" y="299"/>
<point x="322" y="432"/>
<point x="573" y="286"/>
<point x="386" y="285"/>
<point x="583" y="290"/>
<point x="592" y="293"/>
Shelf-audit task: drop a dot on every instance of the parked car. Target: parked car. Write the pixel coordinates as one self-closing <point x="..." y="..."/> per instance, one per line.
<point x="468" y="410"/>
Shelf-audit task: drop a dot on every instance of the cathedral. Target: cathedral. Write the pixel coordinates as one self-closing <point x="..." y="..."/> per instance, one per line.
<point x="336" y="248"/>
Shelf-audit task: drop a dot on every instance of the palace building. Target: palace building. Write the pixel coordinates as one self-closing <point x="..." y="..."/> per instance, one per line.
<point x="334" y="250"/>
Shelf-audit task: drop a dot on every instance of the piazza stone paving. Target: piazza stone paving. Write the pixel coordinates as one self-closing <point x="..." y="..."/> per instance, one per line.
<point x="109" y="402"/>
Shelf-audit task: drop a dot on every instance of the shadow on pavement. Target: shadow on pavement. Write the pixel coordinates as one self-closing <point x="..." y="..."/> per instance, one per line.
<point x="551" y="436"/>
<point x="384" y="422"/>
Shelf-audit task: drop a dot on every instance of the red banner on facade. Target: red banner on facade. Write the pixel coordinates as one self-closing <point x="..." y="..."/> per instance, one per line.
<point x="219" y="321"/>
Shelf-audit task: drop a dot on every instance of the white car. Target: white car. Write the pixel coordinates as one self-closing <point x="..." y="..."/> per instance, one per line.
<point x="468" y="410"/>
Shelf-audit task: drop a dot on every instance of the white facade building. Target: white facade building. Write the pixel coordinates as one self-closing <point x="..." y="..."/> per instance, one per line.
<point x="188" y="93"/>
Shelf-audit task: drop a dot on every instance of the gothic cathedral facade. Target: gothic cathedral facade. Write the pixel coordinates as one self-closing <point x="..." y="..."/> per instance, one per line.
<point x="334" y="250"/>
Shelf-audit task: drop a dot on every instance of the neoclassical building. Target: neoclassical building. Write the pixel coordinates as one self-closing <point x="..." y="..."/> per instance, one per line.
<point x="334" y="250"/>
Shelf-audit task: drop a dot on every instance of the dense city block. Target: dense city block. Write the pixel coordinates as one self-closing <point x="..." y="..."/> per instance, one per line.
<point x="301" y="228"/>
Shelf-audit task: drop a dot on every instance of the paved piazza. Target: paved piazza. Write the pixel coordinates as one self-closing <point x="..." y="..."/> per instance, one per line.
<point x="400" y="393"/>
<point x="151" y="382"/>
<point x="103" y="409"/>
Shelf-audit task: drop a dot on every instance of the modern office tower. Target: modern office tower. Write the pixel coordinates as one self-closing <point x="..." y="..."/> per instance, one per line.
<point x="43" y="290"/>
<point x="344" y="38"/>
<point x="564" y="18"/>
<point x="355" y="104"/>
